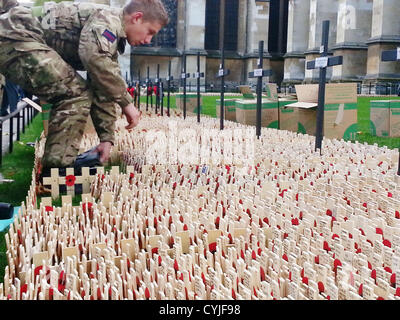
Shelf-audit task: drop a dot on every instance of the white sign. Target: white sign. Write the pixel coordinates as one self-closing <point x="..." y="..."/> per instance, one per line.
<point x="398" y="53"/>
<point x="33" y="104"/>
<point x="183" y="75"/>
<point x="197" y="75"/>
<point x="258" y="72"/>
<point x="221" y="72"/>
<point x="321" y="49"/>
<point x="321" y="62"/>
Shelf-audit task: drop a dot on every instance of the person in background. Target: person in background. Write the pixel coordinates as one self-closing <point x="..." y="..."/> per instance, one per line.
<point x="12" y="94"/>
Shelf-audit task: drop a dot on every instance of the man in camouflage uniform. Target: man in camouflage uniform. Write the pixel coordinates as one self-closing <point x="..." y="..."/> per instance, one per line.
<point x="41" y="50"/>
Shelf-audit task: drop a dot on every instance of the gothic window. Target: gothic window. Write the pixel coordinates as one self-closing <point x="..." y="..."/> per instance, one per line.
<point x="231" y="24"/>
<point x="166" y="38"/>
<point x="212" y="25"/>
<point x="278" y="17"/>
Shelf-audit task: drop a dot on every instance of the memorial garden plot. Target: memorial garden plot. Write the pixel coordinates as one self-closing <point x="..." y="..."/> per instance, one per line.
<point x="189" y="211"/>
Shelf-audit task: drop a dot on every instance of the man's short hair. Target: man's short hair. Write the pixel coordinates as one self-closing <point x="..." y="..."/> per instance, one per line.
<point x="153" y="10"/>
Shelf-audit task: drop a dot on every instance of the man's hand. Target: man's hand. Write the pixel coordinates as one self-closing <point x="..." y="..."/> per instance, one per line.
<point x="132" y="115"/>
<point x="104" y="148"/>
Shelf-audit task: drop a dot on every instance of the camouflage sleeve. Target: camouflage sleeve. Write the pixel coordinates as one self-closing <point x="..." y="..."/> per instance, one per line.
<point x="98" y="52"/>
<point x="103" y="115"/>
<point x="6" y="5"/>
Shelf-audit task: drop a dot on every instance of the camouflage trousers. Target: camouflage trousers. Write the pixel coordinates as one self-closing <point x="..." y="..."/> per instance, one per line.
<point x="40" y="70"/>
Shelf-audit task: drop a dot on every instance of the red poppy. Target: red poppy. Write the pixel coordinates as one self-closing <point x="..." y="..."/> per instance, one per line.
<point x="70" y="180"/>
<point x="24" y="289"/>
<point x="262" y="274"/>
<point x="89" y="207"/>
<point x="295" y="222"/>
<point x="147" y="293"/>
<point x="176" y="267"/>
<point x="212" y="247"/>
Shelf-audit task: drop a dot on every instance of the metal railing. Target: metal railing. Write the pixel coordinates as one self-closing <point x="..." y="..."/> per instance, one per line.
<point x="24" y="115"/>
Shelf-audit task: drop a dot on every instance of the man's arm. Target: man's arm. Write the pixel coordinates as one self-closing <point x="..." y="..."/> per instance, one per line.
<point x="98" y="53"/>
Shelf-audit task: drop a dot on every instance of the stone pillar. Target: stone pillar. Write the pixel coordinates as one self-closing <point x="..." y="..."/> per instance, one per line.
<point x="194" y="37"/>
<point x="384" y="36"/>
<point x="257" y="30"/>
<point x="319" y="12"/>
<point x="297" y="41"/>
<point x="353" y="30"/>
<point x="242" y="28"/>
<point x="181" y="25"/>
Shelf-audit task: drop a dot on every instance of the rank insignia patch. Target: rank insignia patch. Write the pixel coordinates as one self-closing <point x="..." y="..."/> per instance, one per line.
<point x="109" y="35"/>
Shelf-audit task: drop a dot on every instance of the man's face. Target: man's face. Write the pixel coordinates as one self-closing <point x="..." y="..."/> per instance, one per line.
<point x="138" y="31"/>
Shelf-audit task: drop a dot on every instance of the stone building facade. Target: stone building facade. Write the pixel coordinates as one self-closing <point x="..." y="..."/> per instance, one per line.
<point x="359" y="31"/>
<point x="196" y="27"/>
<point x="291" y="30"/>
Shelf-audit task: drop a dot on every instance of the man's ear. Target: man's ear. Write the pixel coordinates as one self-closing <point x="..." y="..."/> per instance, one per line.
<point x="136" y="16"/>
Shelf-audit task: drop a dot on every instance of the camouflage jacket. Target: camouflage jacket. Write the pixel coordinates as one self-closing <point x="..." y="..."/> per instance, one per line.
<point x="87" y="36"/>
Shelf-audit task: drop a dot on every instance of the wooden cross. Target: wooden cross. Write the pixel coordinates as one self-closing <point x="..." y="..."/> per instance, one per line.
<point x="197" y="76"/>
<point x="259" y="73"/>
<point x="55" y="181"/>
<point x="161" y="96"/>
<point x="322" y="63"/>
<point x="169" y="78"/>
<point x="157" y="84"/>
<point x="222" y="73"/>
<point x="147" y="88"/>
<point x="184" y="76"/>
<point x="137" y="90"/>
<point x="392" y="55"/>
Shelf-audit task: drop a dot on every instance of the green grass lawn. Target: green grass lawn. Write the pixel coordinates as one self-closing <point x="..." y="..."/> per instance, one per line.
<point x="208" y="105"/>
<point x="364" y="124"/>
<point x="18" y="165"/>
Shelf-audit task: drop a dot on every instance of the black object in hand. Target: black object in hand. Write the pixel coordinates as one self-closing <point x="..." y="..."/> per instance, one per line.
<point x="90" y="158"/>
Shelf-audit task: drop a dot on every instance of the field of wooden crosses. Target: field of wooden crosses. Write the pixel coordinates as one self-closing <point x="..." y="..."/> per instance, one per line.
<point x="195" y="213"/>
